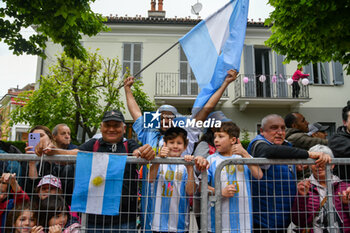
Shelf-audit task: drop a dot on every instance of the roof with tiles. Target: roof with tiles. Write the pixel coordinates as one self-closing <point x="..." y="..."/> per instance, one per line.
<point x="156" y="20"/>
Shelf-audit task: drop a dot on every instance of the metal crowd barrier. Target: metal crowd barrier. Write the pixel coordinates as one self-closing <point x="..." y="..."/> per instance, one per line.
<point x="206" y="200"/>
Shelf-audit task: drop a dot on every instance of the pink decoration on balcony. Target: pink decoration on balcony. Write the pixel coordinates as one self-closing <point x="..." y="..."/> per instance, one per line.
<point x="274" y="79"/>
<point x="262" y="78"/>
<point x="245" y="79"/>
<point x="305" y="81"/>
<point x="289" y="81"/>
<point x="281" y="76"/>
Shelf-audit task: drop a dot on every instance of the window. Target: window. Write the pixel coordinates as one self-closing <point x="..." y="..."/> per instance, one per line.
<point x="262" y="67"/>
<point x="319" y="73"/>
<point x="188" y="83"/>
<point x="132" y="58"/>
<point x="257" y="62"/>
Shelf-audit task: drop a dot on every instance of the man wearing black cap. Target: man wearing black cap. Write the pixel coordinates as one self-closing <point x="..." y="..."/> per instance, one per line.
<point x="112" y="130"/>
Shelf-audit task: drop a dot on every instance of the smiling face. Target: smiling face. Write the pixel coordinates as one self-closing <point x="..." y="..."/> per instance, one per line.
<point x="274" y="130"/>
<point x="59" y="219"/>
<point x="112" y="131"/>
<point x="24" y="222"/>
<point x="176" y="146"/>
<point x="223" y="142"/>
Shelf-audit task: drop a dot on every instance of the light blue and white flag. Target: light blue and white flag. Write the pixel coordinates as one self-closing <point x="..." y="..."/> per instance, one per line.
<point x="98" y="183"/>
<point x="214" y="46"/>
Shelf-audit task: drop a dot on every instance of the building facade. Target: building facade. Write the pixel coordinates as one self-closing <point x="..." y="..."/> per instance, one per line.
<point x="16" y="132"/>
<point x="136" y="41"/>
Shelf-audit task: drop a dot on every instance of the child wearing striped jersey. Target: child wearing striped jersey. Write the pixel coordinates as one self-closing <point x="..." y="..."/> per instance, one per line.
<point x="174" y="184"/>
<point x="235" y="185"/>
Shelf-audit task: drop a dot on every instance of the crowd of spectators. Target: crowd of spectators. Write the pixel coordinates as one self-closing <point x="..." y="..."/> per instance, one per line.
<point x="36" y="197"/>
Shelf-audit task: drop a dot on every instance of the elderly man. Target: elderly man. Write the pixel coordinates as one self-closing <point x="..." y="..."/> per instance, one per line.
<point x="340" y="144"/>
<point x="297" y="132"/>
<point x="273" y="195"/>
<point x="112" y="129"/>
<point x="61" y="136"/>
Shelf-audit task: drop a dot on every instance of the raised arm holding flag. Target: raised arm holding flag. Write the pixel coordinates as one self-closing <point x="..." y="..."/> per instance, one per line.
<point x="214" y="46"/>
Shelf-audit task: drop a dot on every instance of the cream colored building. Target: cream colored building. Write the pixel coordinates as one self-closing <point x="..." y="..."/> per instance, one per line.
<point x="136" y="41"/>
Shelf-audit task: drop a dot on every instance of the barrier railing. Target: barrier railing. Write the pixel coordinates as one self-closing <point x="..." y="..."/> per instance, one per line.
<point x="335" y="207"/>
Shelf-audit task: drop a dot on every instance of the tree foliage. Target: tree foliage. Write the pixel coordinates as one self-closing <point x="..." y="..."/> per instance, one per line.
<point x="311" y="30"/>
<point x="77" y="93"/>
<point x="60" y="20"/>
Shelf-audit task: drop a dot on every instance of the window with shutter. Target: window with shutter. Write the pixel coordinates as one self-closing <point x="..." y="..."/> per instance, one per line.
<point x="132" y="54"/>
<point x="281" y="82"/>
<point x="338" y="78"/>
<point x="188" y="82"/>
<point x="319" y="73"/>
<point x="249" y="71"/>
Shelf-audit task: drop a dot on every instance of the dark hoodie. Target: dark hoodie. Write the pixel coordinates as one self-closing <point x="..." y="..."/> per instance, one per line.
<point x="340" y="145"/>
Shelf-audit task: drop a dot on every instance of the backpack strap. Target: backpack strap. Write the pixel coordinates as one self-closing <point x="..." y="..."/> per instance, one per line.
<point x="96" y="146"/>
<point x="126" y="146"/>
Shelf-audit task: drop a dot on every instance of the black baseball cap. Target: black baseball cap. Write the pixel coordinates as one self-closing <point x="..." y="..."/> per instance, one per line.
<point x="113" y="115"/>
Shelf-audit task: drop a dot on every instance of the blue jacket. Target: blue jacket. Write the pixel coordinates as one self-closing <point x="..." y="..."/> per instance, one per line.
<point x="273" y="195"/>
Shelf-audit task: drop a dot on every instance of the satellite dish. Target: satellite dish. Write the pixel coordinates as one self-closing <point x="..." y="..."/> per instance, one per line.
<point x="196" y="8"/>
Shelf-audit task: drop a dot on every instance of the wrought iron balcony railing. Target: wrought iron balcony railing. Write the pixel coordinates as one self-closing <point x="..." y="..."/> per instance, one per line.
<point x="274" y="87"/>
<point x="177" y="85"/>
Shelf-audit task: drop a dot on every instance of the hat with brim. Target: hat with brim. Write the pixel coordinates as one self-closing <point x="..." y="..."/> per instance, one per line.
<point x="317" y="127"/>
<point x="113" y="115"/>
<point x="51" y="180"/>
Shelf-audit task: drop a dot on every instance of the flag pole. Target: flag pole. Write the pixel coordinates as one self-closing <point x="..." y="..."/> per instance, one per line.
<point x="149" y="64"/>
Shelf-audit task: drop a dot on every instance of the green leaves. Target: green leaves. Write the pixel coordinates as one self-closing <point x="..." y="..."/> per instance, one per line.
<point x="77" y="93"/>
<point x="61" y="21"/>
<point x="310" y="30"/>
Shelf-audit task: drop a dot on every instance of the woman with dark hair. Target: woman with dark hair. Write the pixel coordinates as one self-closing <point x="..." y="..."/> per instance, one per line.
<point x="54" y="216"/>
<point x="22" y="219"/>
<point x="63" y="171"/>
<point x="31" y="167"/>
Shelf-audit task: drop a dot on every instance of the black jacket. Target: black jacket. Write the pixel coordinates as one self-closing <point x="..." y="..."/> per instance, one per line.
<point x="128" y="203"/>
<point x="340" y="145"/>
<point x="8" y="148"/>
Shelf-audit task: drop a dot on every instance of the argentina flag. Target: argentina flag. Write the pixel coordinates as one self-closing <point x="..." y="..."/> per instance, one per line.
<point x="98" y="183"/>
<point x="214" y="46"/>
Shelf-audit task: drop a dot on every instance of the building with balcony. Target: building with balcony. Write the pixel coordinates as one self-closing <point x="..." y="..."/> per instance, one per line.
<point x="136" y="41"/>
<point x="16" y="132"/>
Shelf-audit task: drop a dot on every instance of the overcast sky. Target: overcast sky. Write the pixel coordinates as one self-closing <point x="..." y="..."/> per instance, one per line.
<point x="21" y="70"/>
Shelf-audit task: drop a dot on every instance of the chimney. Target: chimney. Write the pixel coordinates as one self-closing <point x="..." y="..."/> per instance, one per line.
<point x="160" y="5"/>
<point x="153" y="13"/>
<point x="153" y="5"/>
